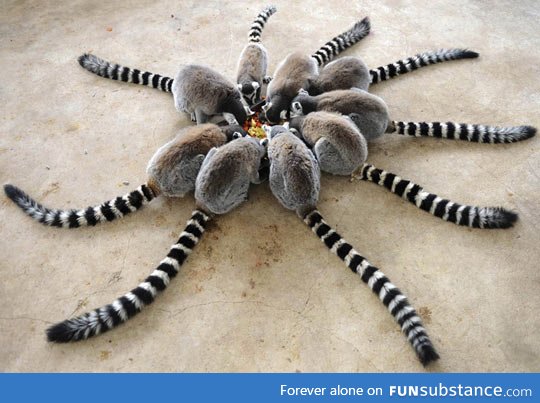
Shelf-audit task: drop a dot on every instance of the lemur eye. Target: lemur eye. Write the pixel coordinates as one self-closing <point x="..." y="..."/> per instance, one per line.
<point x="236" y="135"/>
<point x="297" y="106"/>
<point x="264" y="143"/>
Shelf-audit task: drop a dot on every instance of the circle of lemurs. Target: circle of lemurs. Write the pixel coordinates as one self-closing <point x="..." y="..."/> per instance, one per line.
<point x="319" y="116"/>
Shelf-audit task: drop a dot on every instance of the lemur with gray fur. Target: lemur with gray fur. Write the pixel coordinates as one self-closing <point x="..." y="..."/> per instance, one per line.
<point x="172" y="171"/>
<point x="221" y="185"/>
<point x="253" y="61"/>
<point x="370" y="114"/>
<point x="340" y="148"/>
<point x="295" y="181"/>
<point x="349" y="71"/>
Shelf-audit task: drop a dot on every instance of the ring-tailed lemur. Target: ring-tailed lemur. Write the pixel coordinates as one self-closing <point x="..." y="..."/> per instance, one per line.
<point x="349" y="71"/>
<point x="197" y="90"/>
<point x="335" y="140"/>
<point x="253" y="61"/>
<point x="341" y="74"/>
<point x="202" y="91"/>
<point x="370" y="114"/>
<point x="295" y="181"/>
<point x="368" y="111"/>
<point x="471" y="216"/>
<point x="172" y="171"/>
<point x="297" y="71"/>
<point x="227" y="172"/>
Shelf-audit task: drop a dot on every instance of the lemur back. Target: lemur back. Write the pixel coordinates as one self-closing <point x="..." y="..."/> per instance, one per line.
<point x="367" y="111"/>
<point x="226" y="173"/>
<point x="295" y="72"/>
<point x="203" y="91"/>
<point x="336" y="141"/>
<point x="253" y="61"/>
<point x="294" y="172"/>
<point x="341" y="74"/>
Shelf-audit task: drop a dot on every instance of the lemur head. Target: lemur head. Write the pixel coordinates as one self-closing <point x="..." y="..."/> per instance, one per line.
<point x="251" y="91"/>
<point x="276" y="108"/>
<point x="233" y="132"/>
<point x="233" y="104"/>
<point x="295" y="125"/>
<point x="273" y="131"/>
<point x="303" y="104"/>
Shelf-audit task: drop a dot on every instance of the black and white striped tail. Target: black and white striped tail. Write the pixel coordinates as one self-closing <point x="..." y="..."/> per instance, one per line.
<point x="341" y="42"/>
<point x="463" y="131"/>
<point x="471" y="216"/>
<point x="388" y="293"/>
<point x="114" y="71"/>
<point x="108" y="211"/>
<point x="258" y="24"/>
<point x="109" y="316"/>
<point x="409" y="64"/>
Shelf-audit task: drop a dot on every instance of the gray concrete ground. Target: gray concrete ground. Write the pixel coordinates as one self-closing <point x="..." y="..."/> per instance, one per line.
<point x="261" y="293"/>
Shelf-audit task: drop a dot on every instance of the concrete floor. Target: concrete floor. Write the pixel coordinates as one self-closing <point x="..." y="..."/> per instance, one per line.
<point x="261" y="293"/>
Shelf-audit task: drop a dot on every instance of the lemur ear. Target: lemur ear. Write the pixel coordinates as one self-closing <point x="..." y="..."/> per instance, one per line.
<point x="283" y="114"/>
<point x="255" y="85"/>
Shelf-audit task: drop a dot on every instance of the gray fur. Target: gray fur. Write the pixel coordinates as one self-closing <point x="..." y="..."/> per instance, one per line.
<point x="367" y="111"/>
<point x="253" y="61"/>
<point x="295" y="72"/>
<point x="342" y="74"/>
<point x="337" y="143"/>
<point x="204" y="92"/>
<point x="174" y="167"/>
<point x="294" y="172"/>
<point x="225" y="175"/>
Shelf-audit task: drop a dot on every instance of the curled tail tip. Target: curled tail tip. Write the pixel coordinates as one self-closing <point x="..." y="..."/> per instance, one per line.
<point x="505" y="218"/>
<point x="270" y="9"/>
<point x="12" y="191"/>
<point x="469" y="54"/>
<point x="60" y="333"/>
<point x="363" y="26"/>
<point x="427" y="354"/>
<point x="82" y="58"/>
<point x="528" y="132"/>
<point x="86" y="58"/>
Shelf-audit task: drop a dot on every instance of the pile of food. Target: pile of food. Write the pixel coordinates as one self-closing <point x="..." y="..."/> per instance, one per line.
<point x="253" y="126"/>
